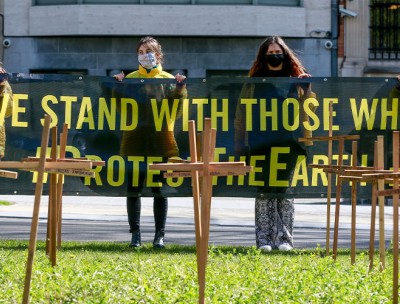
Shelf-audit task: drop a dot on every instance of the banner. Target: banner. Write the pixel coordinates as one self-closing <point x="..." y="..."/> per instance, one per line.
<point x="135" y="122"/>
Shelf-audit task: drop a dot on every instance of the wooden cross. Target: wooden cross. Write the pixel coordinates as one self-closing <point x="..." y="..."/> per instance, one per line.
<point x="378" y="176"/>
<point x="393" y="177"/>
<point x="330" y="140"/>
<point x="336" y="169"/>
<point x="57" y="167"/>
<point x="356" y="174"/>
<point x="205" y="169"/>
<point x="346" y="173"/>
<point x="353" y="174"/>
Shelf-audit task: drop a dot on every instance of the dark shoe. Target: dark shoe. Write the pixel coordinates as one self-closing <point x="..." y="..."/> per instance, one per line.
<point x="159" y="240"/>
<point x="136" y="240"/>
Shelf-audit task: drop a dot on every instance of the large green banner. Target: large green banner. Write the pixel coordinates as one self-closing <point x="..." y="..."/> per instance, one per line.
<point x="135" y="122"/>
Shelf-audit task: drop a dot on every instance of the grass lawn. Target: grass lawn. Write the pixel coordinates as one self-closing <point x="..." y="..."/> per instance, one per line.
<point x="109" y="272"/>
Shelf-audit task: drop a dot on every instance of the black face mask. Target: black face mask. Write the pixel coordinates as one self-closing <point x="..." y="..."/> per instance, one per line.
<point x="275" y="60"/>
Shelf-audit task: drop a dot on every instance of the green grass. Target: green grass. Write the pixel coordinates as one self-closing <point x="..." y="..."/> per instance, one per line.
<point x="5" y="203"/>
<point x="113" y="273"/>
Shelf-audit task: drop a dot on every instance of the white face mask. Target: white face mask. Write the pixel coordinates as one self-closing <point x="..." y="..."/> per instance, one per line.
<point x="148" y="61"/>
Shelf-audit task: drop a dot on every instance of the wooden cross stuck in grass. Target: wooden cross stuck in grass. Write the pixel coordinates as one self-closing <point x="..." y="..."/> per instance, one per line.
<point x="329" y="168"/>
<point x="391" y="176"/>
<point x="378" y="176"/>
<point x="57" y="167"/>
<point x="202" y="173"/>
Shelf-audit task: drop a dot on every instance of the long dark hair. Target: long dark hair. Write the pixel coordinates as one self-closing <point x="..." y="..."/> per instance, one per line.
<point x="291" y="64"/>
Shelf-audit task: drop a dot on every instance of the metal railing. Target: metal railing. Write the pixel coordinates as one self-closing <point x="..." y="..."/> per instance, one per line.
<point x="384" y="30"/>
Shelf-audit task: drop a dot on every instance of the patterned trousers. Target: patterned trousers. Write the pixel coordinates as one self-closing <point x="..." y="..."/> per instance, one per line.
<point x="274" y="221"/>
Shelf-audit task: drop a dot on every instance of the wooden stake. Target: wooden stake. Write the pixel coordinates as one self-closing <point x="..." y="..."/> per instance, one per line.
<point x="395" y="198"/>
<point x="202" y="201"/>
<point x="35" y="216"/>
<point x="353" y="205"/>
<point x="329" y="189"/>
<point x="381" y="201"/>
<point x="374" y="198"/>
<point x="338" y="197"/>
<point x="197" y="208"/>
<point x="60" y="181"/>
<point x="205" y="206"/>
<point x="53" y="201"/>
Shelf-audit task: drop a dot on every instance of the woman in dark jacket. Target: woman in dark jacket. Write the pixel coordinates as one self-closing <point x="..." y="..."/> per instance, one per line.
<point x="274" y="205"/>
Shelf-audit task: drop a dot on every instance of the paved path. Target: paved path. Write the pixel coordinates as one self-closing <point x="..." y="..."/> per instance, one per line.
<point x="232" y="221"/>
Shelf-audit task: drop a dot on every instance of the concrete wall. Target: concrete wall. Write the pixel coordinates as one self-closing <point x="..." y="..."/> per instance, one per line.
<point x="194" y="55"/>
<point x="195" y="38"/>
<point x="136" y="20"/>
<point x="182" y="20"/>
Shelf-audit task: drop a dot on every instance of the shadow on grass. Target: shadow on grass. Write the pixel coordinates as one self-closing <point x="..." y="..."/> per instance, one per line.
<point x="123" y="247"/>
<point x="14" y="245"/>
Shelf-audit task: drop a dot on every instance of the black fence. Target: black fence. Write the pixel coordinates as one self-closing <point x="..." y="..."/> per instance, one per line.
<point x="384" y="30"/>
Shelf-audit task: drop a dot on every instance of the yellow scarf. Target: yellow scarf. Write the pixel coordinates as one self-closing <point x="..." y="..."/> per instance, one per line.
<point x="153" y="73"/>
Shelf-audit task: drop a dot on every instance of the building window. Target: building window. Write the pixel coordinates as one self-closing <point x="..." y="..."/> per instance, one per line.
<point x="54" y="2"/>
<point x="200" y="2"/>
<point x="384" y="30"/>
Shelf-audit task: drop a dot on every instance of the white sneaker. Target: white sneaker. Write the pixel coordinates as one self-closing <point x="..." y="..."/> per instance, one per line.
<point x="266" y="248"/>
<point x="285" y="247"/>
